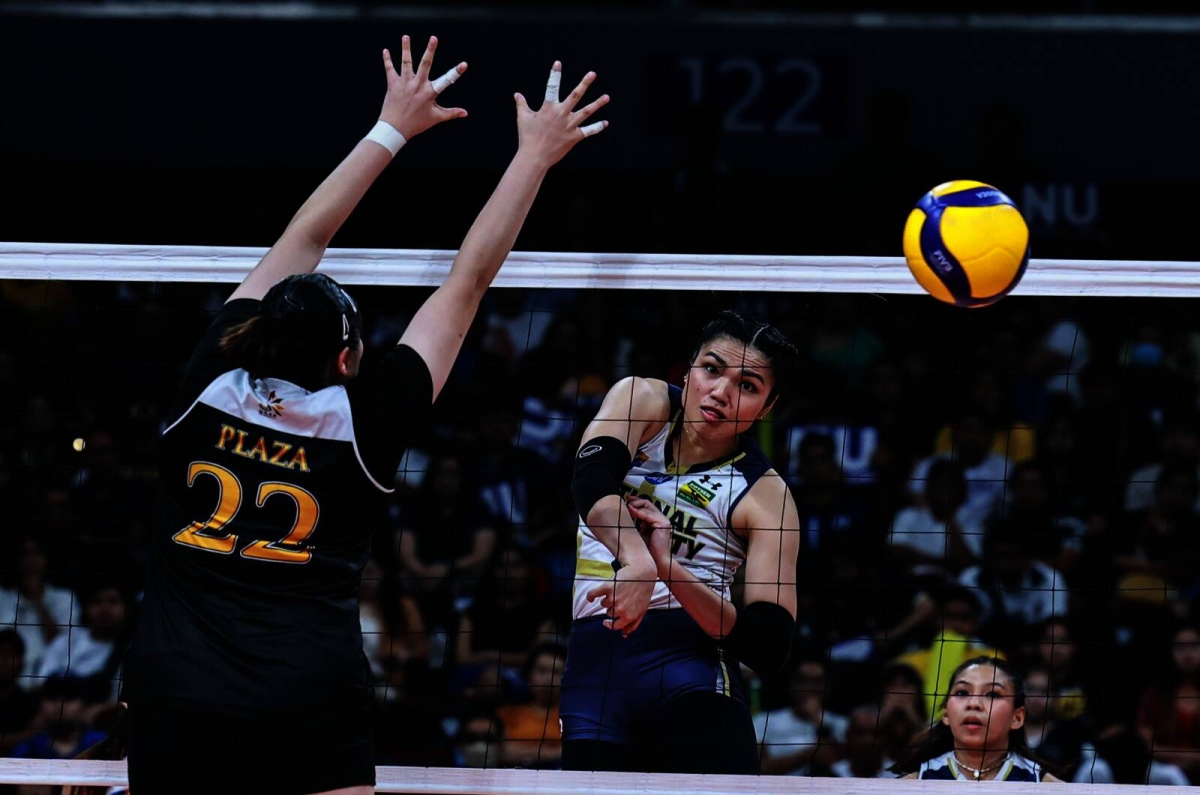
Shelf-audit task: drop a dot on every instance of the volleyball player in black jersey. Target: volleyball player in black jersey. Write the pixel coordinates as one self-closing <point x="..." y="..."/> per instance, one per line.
<point x="276" y="461"/>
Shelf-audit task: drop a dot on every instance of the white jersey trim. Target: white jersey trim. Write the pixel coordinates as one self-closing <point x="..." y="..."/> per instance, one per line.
<point x="324" y="414"/>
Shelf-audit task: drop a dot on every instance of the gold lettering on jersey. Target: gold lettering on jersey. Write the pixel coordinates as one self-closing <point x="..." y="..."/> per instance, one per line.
<point x="227" y="433"/>
<point x="299" y="460"/>
<point x="281" y="449"/>
<point x="683" y="523"/>
<point x="279" y="458"/>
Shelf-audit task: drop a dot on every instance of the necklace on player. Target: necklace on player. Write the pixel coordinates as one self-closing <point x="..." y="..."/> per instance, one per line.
<point x="979" y="771"/>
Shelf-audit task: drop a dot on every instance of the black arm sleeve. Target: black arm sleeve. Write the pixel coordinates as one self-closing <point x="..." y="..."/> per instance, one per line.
<point x="600" y="467"/>
<point x="762" y="637"/>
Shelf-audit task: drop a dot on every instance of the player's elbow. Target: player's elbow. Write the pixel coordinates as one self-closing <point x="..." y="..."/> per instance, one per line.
<point x="762" y="637"/>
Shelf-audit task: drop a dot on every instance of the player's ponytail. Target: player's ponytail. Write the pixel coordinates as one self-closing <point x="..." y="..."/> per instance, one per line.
<point x="251" y="344"/>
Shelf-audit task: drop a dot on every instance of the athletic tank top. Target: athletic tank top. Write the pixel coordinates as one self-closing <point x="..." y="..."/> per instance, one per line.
<point x="1015" y="768"/>
<point x="699" y="502"/>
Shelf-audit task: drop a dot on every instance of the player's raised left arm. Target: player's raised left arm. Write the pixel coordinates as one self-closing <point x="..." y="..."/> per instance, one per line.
<point x="409" y="107"/>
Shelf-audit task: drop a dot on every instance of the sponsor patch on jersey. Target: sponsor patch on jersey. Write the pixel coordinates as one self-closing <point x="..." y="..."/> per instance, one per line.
<point x="658" y="478"/>
<point x="273" y="408"/>
<point x="696" y="494"/>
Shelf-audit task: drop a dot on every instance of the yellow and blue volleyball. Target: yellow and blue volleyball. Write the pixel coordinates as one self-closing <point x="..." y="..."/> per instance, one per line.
<point x="966" y="243"/>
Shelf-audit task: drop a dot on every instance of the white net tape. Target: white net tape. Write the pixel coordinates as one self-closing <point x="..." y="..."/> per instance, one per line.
<point x="82" y="262"/>
<point x="451" y="781"/>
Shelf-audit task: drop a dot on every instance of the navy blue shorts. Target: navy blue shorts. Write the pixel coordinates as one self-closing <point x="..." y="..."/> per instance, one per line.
<point x="613" y="688"/>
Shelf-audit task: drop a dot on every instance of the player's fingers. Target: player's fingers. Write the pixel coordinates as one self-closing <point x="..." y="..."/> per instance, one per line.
<point x="405" y="56"/>
<point x="630" y="629"/>
<point x="522" y="105"/>
<point x="592" y="129"/>
<point x="573" y="98"/>
<point x="427" y="59"/>
<point x="448" y="79"/>
<point x="591" y="107"/>
<point x="388" y="69"/>
<point x="553" y="83"/>
<point x="600" y="591"/>
<point x="452" y="113"/>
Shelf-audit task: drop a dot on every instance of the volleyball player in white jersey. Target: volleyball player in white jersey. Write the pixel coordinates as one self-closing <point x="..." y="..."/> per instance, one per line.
<point x="674" y="497"/>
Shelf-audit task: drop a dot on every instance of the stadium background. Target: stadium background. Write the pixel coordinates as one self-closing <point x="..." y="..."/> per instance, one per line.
<point x="737" y="128"/>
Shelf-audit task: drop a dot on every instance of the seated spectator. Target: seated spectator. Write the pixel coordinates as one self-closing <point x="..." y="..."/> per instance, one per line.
<point x="94" y="649"/>
<point x="1180" y="445"/>
<point x="532" y="733"/>
<point x="1064" y="742"/>
<point x="63" y="713"/>
<point x="986" y="472"/>
<point x="801" y="738"/>
<point x="1015" y="441"/>
<point x="864" y="753"/>
<point x="36" y="609"/>
<point x="955" y="619"/>
<point x="446" y="541"/>
<point x="506" y="620"/>
<point x="17" y="706"/>
<point x="1169" y="716"/>
<point x="1016" y="594"/>
<point x="1125" y="758"/>
<point x="1054" y="538"/>
<point x="478" y="741"/>
<point x="939" y="536"/>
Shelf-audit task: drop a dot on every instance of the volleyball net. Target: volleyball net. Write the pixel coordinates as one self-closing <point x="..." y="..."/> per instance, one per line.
<point x="1018" y="480"/>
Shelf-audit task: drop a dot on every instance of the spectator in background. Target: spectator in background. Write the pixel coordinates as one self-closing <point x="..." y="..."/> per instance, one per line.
<point x="92" y="651"/>
<point x="953" y="613"/>
<point x="1065" y="741"/>
<point x="30" y="604"/>
<point x="63" y="713"/>
<point x="1016" y="594"/>
<point x="446" y="542"/>
<point x="17" y="706"/>
<point x="1051" y="537"/>
<point x="1015" y="440"/>
<point x="1180" y="445"/>
<point x="941" y="534"/>
<point x="1169" y="716"/>
<point x="532" y="733"/>
<point x="864" y="752"/>
<point x="506" y="619"/>
<point x="802" y="738"/>
<point x="986" y="472"/>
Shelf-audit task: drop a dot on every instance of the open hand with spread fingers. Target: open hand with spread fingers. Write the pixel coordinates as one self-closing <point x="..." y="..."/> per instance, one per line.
<point x="549" y="132"/>
<point x="411" y="104"/>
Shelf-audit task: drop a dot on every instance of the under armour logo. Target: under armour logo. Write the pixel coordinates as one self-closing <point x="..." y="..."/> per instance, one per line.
<point x="712" y="484"/>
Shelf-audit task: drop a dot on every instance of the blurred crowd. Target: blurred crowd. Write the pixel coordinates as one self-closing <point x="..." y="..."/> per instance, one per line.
<point x="1022" y="480"/>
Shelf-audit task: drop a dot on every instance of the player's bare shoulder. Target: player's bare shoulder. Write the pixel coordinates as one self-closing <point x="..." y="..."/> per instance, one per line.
<point x="638" y="399"/>
<point x="768" y="505"/>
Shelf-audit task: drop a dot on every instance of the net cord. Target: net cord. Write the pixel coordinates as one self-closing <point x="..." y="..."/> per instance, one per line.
<point x="540" y="269"/>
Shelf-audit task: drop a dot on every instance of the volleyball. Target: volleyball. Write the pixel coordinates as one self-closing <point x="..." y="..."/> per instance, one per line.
<point x="966" y="243"/>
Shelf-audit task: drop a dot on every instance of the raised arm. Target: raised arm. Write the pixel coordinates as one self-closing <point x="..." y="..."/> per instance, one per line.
<point x="409" y="107"/>
<point x="440" y="325"/>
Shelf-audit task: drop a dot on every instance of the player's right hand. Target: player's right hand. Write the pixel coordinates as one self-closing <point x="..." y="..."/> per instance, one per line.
<point x="410" y="104"/>
<point x="549" y="133"/>
<point x="626" y="597"/>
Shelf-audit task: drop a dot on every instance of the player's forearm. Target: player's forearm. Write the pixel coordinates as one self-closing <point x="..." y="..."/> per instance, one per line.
<point x="612" y="526"/>
<point x="322" y="215"/>
<point x="495" y="230"/>
<point x="710" y="610"/>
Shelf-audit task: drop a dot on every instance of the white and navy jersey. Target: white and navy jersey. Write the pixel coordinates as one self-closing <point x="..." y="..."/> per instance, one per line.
<point x="1015" y="768"/>
<point x="699" y="502"/>
<point x="269" y="495"/>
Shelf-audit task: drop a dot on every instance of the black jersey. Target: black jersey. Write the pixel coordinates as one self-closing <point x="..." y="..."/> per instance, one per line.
<point x="269" y="495"/>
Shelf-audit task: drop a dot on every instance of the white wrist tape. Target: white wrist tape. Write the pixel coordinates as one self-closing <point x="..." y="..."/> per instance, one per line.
<point x="386" y="136"/>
